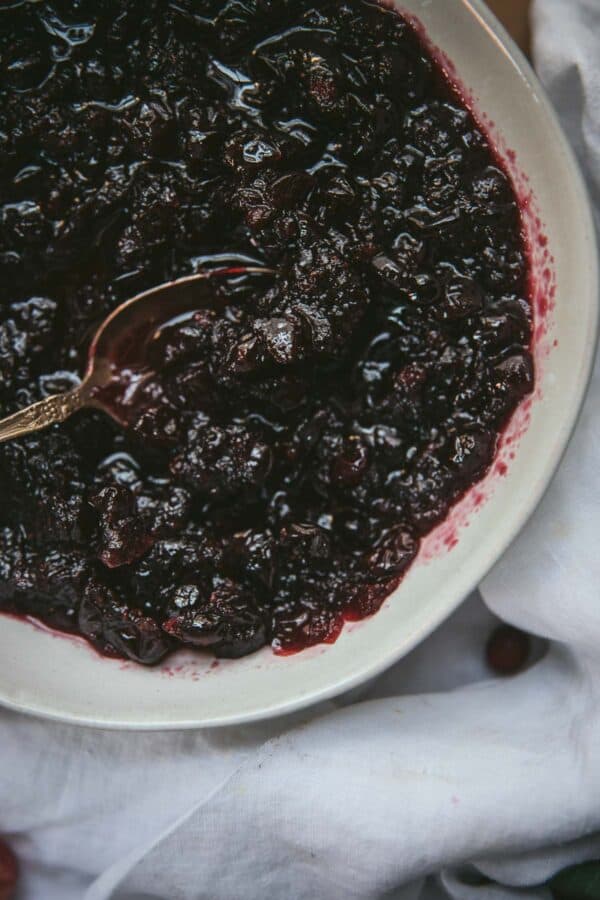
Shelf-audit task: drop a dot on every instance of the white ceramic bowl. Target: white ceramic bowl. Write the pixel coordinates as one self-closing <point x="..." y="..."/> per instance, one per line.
<point x="63" y="678"/>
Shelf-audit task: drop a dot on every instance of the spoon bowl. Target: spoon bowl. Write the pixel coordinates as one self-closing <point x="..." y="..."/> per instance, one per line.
<point x="119" y="356"/>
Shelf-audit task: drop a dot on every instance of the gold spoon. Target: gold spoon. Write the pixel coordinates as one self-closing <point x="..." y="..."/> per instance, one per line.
<point x="118" y="355"/>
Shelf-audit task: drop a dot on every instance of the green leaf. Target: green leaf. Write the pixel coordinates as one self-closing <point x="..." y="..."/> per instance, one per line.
<point x="580" y="882"/>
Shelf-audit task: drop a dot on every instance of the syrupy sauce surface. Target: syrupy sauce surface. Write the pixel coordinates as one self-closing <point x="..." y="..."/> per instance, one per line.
<point x="311" y="428"/>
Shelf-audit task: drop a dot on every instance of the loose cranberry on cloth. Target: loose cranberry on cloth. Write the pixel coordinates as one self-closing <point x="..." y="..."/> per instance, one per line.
<point x="9" y="871"/>
<point x="366" y="800"/>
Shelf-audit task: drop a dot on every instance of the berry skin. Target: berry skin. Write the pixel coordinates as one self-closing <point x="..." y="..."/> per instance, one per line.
<point x="351" y="464"/>
<point x="226" y="621"/>
<point x="221" y="461"/>
<point x="117" y="629"/>
<point x="393" y="553"/>
<point x="123" y="537"/>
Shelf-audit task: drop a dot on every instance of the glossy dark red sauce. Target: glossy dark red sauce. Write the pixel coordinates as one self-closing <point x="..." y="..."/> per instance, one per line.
<point x="306" y="431"/>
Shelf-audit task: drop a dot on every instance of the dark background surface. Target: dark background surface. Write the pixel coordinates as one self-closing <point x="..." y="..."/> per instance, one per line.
<point x="514" y="15"/>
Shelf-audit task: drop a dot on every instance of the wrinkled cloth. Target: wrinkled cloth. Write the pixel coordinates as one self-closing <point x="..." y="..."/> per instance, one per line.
<point x="430" y="778"/>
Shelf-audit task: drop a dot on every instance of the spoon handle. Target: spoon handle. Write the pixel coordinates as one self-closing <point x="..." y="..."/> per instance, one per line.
<point x="39" y="415"/>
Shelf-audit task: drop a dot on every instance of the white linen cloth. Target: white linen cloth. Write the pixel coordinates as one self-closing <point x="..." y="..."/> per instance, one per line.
<point x="438" y="773"/>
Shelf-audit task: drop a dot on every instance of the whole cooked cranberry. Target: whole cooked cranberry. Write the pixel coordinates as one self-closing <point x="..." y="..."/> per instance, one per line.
<point x="429" y="494"/>
<point x="410" y="379"/>
<point x="116" y="628"/>
<point x="438" y="127"/>
<point x="442" y="180"/>
<point x="17" y="565"/>
<point x="321" y="85"/>
<point x="167" y="509"/>
<point x="186" y="596"/>
<point x="503" y="329"/>
<point x="367" y="600"/>
<point x="392" y="554"/>
<point x="149" y="128"/>
<point x="507" y="650"/>
<point x="286" y="392"/>
<point x="472" y="453"/>
<point x="188" y="389"/>
<point x="26" y="61"/>
<point x="12" y="349"/>
<point x="36" y="316"/>
<point x="121" y="469"/>
<point x="304" y="623"/>
<point x="408" y="252"/>
<point x="515" y="375"/>
<point x="505" y="267"/>
<point x="56" y="583"/>
<point x="403" y="401"/>
<point x="357" y="529"/>
<point x="391" y="272"/>
<point x="237" y="352"/>
<point x="220" y="461"/>
<point x="25" y="223"/>
<point x="123" y="535"/>
<point x="252" y="554"/>
<point x="304" y="540"/>
<point x="41" y="478"/>
<point x="288" y="190"/>
<point x="9" y="871"/>
<point x="349" y="466"/>
<point x="338" y="196"/>
<point x="257" y="151"/>
<point x="183" y="341"/>
<point x="282" y="338"/>
<point x="228" y="621"/>
<point x="491" y="187"/>
<point x="316" y="327"/>
<point x="158" y="424"/>
<point x="424" y="288"/>
<point x="462" y="298"/>
<point x="192" y="556"/>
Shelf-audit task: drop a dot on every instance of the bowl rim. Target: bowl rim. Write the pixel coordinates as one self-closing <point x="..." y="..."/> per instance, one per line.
<point x="515" y="58"/>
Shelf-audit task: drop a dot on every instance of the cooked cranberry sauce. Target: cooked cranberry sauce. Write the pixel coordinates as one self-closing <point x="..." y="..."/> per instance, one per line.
<point x="309" y="427"/>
